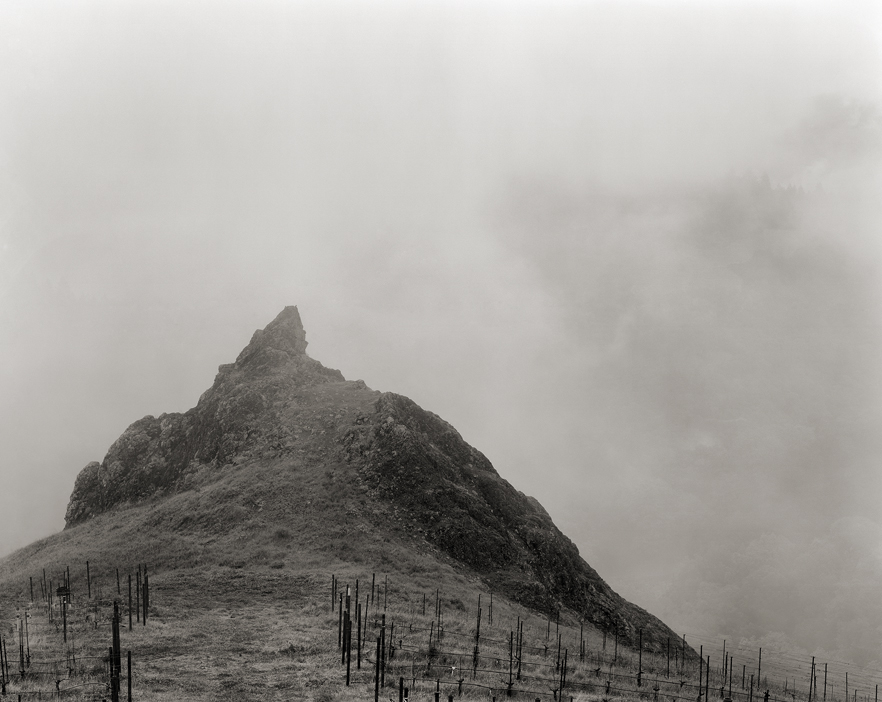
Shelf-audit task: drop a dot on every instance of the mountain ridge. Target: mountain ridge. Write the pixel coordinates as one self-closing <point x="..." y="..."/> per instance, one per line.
<point x="277" y="407"/>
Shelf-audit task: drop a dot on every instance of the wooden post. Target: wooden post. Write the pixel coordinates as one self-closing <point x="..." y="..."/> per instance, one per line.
<point x="130" y="601"/>
<point x="383" y="652"/>
<point x="114" y="693"/>
<point x="707" y="681"/>
<point x="520" y="646"/>
<point x="825" y="682"/>
<point x="340" y="622"/>
<point x="138" y="596"/>
<point x="759" y="669"/>
<point x="2" y="671"/>
<point x="731" y="665"/>
<point x="348" y="647"/>
<point x="146" y="598"/>
<point x="129" y="673"/>
<point x="88" y="580"/>
<point x="27" y="616"/>
<point x="377" y="670"/>
<point x="668" y="655"/>
<point x="700" y="670"/>
<point x="811" y="680"/>
<point x="640" y="660"/>
<point x="358" y="636"/>
<point x="510" y="661"/>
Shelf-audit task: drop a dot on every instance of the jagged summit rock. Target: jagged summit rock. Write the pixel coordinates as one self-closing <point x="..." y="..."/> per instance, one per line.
<point x="356" y="460"/>
<point x="282" y="339"/>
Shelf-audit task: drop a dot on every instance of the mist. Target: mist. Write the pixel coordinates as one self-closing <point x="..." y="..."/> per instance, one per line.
<point x="630" y="250"/>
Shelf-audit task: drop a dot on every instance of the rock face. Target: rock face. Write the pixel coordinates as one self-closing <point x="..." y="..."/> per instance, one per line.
<point x="238" y="416"/>
<point x="276" y="401"/>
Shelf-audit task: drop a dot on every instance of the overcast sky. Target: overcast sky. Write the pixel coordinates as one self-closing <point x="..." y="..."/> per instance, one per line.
<point x="631" y="250"/>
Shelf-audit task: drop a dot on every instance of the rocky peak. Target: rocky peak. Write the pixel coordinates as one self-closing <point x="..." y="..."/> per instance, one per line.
<point x="281" y="340"/>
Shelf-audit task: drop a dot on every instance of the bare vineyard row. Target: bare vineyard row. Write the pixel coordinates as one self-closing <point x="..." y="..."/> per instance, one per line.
<point x="440" y="662"/>
<point x="70" y="659"/>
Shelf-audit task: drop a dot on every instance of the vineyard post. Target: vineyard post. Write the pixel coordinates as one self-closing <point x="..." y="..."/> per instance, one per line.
<point x="377" y="671"/>
<point x="342" y="645"/>
<point x="707" y="681"/>
<point x="340" y="623"/>
<point x="385" y="593"/>
<point x="88" y="581"/>
<point x="358" y="636"/>
<point x="383" y="651"/>
<point x="640" y="660"/>
<point x="490" y="612"/>
<point x="520" y="647"/>
<point x="846" y="686"/>
<point x="743" y="675"/>
<point x="130" y="601"/>
<point x="146" y="597"/>
<point x="348" y="647"/>
<point x="400" y="689"/>
<point x="114" y="693"/>
<point x="700" y="670"/>
<point x="27" y="615"/>
<point x="4" y="659"/>
<point x="825" y="682"/>
<point x="811" y="679"/>
<point x="129" y="673"/>
<point x="557" y="659"/>
<point x="333" y="591"/>
<point x="478" y="631"/>
<point x="64" y="614"/>
<point x="510" y="661"/>
<point x="759" y="669"/>
<point x="138" y="596"/>
<point x="725" y="659"/>
<point x="2" y="671"/>
<point x="731" y="665"/>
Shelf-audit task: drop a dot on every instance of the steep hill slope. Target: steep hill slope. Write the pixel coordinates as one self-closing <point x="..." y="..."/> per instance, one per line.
<point x="296" y="431"/>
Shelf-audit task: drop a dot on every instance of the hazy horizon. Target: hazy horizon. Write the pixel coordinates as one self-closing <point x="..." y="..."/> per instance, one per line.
<point x="630" y="250"/>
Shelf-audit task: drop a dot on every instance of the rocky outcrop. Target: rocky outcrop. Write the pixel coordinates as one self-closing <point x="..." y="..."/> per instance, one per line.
<point x="241" y="415"/>
<point x="275" y="401"/>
